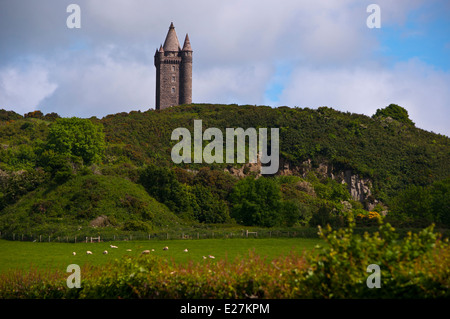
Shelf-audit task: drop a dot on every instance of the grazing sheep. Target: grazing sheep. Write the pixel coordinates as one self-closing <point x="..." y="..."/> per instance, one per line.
<point x="74" y="253"/>
<point x="185" y="250"/>
<point x="145" y="252"/>
<point x="212" y="257"/>
<point x="89" y="252"/>
<point x="166" y="248"/>
<point x="204" y="257"/>
<point x="153" y="250"/>
<point x="128" y="249"/>
<point x="105" y="252"/>
<point x="112" y="246"/>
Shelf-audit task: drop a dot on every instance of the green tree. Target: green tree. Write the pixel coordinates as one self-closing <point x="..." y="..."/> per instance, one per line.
<point x="210" y="208"/>
<point x="257" y="202"/>
<point x="440" y="192"/>
<point x="413" y="202"/>
<point x="77" y="137"/>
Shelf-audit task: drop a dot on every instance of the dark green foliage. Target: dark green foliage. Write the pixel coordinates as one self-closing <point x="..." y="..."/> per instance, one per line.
<point x="257" y="202"/>
<point x="161" y="183"/>
<point x="394" y="156"/>
<point x="9" y="115"/>
<point x="423" y="204"/>
<point x="395" y="112"/>
<point x="218" y="181"/>
<point x="17" y="184"/>
<point x="208" y="207"/>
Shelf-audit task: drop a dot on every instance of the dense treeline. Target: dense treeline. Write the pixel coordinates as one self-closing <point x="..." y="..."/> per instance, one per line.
<point x="45" y="159"/>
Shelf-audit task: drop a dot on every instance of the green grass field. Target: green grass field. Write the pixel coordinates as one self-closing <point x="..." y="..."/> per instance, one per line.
<point x="25" y="255"/>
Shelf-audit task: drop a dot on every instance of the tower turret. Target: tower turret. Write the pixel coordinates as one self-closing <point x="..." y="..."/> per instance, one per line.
<point x="186" y="73"/>
<point x="173" y="71"/>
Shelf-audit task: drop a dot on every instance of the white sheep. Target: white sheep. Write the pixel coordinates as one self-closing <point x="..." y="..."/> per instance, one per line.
<point x="128" y="249"/>
<point x="112" y="246"/>
<point x="89" y="252"/>
<point x="185" y="250"/>
<point x="74" y="253"/>
<point x="145" y="252"/>
<point x="212" y="257"/>
<point x="105" y="252"/>
<point x="166" y="248"/>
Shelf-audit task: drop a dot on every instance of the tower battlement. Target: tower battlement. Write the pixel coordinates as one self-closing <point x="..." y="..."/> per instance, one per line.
<point x="173" y="72"/>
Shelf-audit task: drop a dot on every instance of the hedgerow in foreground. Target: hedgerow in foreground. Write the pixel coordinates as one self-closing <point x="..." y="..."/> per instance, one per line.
<point x="413" y="267"/>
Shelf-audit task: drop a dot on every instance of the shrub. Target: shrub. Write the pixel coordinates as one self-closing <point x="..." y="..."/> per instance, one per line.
<point x="339" y="270"/>
<point x="256" y="202"/>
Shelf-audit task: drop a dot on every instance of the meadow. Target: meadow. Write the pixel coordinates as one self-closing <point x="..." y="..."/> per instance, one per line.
<point x="413" y="266"/>
<point x="57" y="256"/>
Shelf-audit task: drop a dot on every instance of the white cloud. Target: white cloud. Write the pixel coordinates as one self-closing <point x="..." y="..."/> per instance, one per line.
<point x="418" y="87"/>
<point x="329" y="56"/>
<point x="234" y="84"/>
<point x="102" y="84"/>
<point x="23" y="89"/>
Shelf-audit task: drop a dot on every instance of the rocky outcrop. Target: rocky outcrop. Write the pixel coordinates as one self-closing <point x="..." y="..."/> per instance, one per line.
<point x="100" y="221"/>
<point x="359" y="187"/>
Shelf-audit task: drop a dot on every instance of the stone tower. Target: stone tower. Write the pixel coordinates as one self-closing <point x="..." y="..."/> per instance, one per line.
<point x="173" y="72"/>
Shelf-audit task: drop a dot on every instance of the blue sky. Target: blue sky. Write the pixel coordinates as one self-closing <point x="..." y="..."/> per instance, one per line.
<point x="290" y="52"/>
<point x="426" y="38"/>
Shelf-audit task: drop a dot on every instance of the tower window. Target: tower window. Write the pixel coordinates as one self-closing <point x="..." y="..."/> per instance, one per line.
<point x="173" y="68"/>
<point x="173" y="79"/>
<point x="173" y="89"/>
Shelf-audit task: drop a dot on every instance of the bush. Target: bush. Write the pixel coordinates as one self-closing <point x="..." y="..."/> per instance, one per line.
<point x="423" y="204"/>
<point x="340" y="270"/>
<point x="256" y="202"/>
<point x="209" y="208"/>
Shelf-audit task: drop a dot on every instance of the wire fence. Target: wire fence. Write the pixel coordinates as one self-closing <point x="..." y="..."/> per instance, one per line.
<point x="185" y="235"/>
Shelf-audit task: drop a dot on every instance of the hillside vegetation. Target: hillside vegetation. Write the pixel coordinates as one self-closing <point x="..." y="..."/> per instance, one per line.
<point x="60" y="173"/>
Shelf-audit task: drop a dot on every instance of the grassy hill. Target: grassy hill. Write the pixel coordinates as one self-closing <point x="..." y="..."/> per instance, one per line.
<point x="49" y="186"/>
<point x="74" y="207"/>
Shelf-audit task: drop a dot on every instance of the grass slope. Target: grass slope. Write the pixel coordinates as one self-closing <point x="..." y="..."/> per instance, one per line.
<point x="68" y="208"/>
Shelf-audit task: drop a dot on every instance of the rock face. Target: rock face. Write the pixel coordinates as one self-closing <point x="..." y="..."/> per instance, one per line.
<point x="359" y="188"/>
<point x="100" y="221"/>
